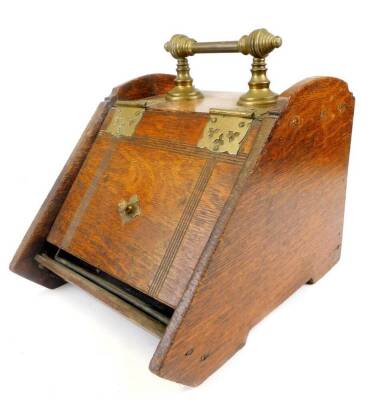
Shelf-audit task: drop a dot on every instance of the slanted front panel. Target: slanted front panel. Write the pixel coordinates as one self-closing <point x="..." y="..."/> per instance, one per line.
<point x="181" y="192"/>
<point x="186" y="252"/>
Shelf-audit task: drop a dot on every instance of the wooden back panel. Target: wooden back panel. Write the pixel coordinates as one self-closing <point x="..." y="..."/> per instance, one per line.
<point x="281" y="228"/>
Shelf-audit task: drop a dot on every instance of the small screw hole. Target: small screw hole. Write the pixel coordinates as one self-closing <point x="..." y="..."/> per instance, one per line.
<point x="189" y="352"/>
<point x="204" y="356"/>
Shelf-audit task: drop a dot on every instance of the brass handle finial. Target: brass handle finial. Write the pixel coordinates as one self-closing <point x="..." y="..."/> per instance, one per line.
<point x="180" y="46"/>
<point x="258" y="43"/>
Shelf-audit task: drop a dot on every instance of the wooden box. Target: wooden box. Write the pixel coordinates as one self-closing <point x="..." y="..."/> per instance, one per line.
<point x="194" y="243"/>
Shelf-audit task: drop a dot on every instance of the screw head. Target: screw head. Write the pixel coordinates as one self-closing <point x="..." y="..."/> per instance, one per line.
<point x="130" y="209"/>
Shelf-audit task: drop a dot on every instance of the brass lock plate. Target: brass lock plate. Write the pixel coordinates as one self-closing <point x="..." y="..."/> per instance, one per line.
<point x="225" y="130"/>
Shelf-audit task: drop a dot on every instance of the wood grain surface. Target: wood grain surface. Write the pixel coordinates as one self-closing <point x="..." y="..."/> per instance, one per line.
<point x="222" y="239"/>
<point x="23" y="261"/>
<point x="281" y="228"/>
<point x="143" y="87"/>
<point x="181" y="195"/>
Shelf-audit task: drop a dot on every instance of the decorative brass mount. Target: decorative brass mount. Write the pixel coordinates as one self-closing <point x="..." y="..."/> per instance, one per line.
<point x="225" y="130"/>
<point x="129" y="209"/>
<point x="259" y="44"/>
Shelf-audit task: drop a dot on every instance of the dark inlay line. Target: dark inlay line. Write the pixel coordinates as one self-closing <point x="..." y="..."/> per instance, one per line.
<point x="181" y="228"/>
<point x="88" y="196"/>
<point x="183" y="148"/>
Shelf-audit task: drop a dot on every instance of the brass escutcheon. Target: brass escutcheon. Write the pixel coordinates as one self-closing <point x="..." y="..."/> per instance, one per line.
<point x="129" y="209"/>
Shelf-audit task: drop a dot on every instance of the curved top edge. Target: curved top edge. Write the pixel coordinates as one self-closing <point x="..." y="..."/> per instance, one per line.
<point x="143" y="87"/>
<point x="313" y="81"/>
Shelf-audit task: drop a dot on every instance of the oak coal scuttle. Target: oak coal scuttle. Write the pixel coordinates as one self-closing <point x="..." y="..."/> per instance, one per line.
<point x="196" y="213"/>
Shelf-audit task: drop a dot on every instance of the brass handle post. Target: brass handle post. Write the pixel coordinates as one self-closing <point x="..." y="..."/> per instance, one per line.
<point x="259" y="44"/>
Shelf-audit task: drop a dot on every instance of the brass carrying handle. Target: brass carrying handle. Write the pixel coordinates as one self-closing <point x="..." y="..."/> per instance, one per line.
<point x="258" y="43"/>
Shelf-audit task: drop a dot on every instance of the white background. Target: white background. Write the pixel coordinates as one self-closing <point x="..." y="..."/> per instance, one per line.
<point x="59" y="59"/>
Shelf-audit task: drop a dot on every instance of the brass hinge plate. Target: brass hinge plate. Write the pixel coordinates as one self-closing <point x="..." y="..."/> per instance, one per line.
<point x="125" y="118"/>
<point x="225" y="130"/>
<point x="126" y="114"/>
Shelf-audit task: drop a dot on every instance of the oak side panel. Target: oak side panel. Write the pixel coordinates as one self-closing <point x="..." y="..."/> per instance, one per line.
<point x="285" y="231"/>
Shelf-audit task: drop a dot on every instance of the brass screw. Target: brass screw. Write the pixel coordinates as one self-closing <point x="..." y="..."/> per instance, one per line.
<point x="295" y="121"/>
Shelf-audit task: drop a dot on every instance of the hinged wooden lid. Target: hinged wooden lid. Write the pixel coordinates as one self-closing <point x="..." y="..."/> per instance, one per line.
<point x="145" y="201"/>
